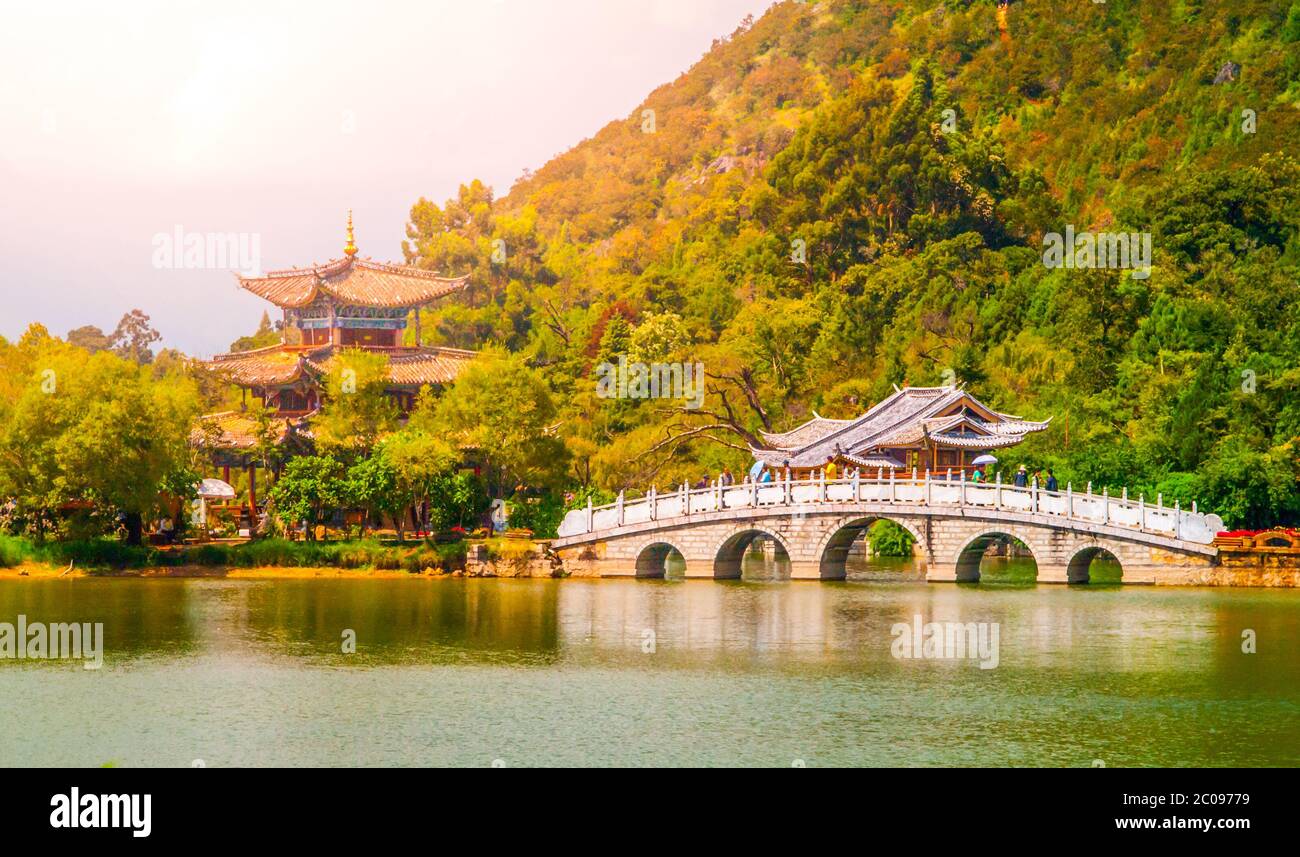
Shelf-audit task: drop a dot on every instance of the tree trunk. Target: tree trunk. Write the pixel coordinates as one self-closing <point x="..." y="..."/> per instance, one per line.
<point x="134" y="529"/>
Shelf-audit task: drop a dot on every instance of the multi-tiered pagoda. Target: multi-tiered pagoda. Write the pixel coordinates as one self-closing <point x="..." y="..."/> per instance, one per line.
<point x="346" y="303"/>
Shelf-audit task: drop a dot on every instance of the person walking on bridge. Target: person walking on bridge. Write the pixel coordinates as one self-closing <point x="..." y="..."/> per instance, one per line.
<point x="1022" y="477"/>
<point x="832" y="472"/>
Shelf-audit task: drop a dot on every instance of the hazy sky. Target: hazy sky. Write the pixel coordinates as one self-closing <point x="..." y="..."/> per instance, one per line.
<point x="120" y="121"/>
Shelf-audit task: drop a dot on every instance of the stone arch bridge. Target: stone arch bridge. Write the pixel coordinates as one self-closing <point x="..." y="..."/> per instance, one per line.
<point x="953" y="522"/>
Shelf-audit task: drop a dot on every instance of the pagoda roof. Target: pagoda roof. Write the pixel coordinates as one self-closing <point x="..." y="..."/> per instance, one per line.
<point x="943" y="416"/>
<point x="282" y="365"/>
<point x="355" y="282"/>
<point x="237" y="431"/>
<point x="274" y="366"/>
<point x="407" y="367"/>
<point x="815" y="429"/>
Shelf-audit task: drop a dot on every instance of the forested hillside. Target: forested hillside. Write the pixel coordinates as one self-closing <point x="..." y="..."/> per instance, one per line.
<point x="847" y="195"/>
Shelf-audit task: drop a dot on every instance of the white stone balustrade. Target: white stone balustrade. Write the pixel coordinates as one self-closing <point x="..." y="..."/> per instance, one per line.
<point x="917" y="494"/>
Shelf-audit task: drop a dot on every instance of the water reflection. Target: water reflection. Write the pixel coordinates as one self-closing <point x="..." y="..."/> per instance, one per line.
<point x="832" y="626"/>
<point x="140" y="617"/>
<point x="590" y="672"/>
<point x="400" y="621"/>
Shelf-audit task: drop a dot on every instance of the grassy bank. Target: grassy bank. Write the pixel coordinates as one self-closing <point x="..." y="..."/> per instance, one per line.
<point x="111" y="555"/>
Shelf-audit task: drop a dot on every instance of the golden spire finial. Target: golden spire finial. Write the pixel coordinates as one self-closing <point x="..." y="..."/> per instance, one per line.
<point x="351" y="249"/>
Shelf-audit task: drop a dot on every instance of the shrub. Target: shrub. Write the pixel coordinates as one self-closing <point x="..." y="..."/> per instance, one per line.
<point x="889" y="539"/>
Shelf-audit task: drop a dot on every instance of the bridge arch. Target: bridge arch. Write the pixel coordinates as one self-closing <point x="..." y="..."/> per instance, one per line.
<point x="1079" y="568"/>
<point x="729" y="553"/>
<point x="968" y="559"/>
<point x="652" y="558"/>
<point x="832" y="550"/>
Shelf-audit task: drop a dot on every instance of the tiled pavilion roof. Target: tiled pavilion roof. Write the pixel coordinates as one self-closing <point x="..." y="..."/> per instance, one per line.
<point x="281" y="365"/>
<point x="355" y="282"/>
<point x="235" y="430"/>
<point x="909" y="417"/>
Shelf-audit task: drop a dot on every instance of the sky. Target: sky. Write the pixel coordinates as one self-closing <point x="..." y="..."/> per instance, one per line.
<point x="126" y="125"/>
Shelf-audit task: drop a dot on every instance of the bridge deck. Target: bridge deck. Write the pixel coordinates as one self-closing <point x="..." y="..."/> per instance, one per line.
<point x="1087" y="512"/>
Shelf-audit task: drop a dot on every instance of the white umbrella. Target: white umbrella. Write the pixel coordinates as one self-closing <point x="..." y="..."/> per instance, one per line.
<point x="215" y="489"/>
<point x="985" y="459"/>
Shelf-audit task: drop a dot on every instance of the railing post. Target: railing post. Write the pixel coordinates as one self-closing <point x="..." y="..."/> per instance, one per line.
<point x="620" y="508"/>
<point x="1069" y="499"/>
<point x="1178" y="519"/>
<point x="893" y="488"/>
<point x="857" y="484"/>
<point x="927" y="486"/>
<point x="997" y="490"/>
<point x="961" y="487"/>
<point x="787" y="491"/>
<point x="1142" y="512"/>
<point x="753" y="493"/>
<point x="1105" y="505"/>
<point x="821" y="479"/>
<point x="1033" y="495"/>
<point x="653" y="499"/>
<point x="590" y="513"/>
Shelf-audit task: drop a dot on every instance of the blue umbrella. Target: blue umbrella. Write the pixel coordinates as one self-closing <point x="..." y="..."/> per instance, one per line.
<point x="756" y="469"/>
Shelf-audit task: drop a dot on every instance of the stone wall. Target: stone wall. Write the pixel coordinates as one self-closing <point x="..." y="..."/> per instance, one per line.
<point x="522" y="559"/>
<point x="1255" y="567"/>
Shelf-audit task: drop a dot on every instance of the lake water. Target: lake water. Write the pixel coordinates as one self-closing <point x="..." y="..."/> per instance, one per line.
<point x="613" y="672"/>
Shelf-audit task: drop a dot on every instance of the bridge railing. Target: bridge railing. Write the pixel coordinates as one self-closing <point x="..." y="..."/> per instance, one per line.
<point x="913" y="493"/>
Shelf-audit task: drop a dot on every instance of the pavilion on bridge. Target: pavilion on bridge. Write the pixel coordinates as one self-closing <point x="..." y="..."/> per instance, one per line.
<point x="347" y="303"/>
<point x="939" y="429"/>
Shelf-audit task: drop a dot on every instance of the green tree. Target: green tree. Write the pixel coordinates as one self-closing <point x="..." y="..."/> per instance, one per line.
<point x="356" y="411"/>
<point x="90" y="338"/>
<point x="89" y="427"/>
<point x="371" y="483"/>
<point x="308" y="491"/>
<point x="502" y="409"/>
<point x="134" y="337"/>
<point x="457" y="499"/>
<point x="265" y="336"/>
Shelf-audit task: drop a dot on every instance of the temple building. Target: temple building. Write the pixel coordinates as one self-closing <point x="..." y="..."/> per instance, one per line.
<point x="939" y="429"/>
<point x="347" y="303"/>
